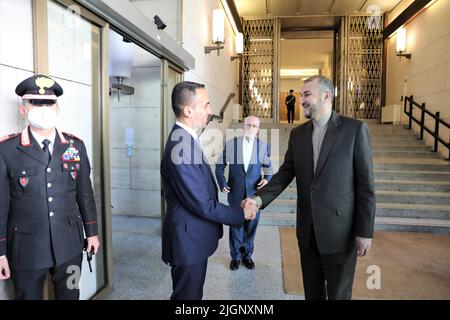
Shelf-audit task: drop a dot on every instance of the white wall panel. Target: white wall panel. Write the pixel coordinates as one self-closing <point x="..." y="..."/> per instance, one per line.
<point x="16" y="34"/>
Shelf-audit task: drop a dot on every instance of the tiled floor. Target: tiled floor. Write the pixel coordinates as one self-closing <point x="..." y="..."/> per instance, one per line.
<point x="139" y="272"/>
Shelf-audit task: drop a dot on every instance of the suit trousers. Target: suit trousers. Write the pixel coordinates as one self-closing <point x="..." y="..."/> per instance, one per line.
<point x="242" y="239"/>
<point x="327" y="275"/>
<point x="187" y="281"/>
<point x="29" y="284"/>
<point x="291" y="114"/>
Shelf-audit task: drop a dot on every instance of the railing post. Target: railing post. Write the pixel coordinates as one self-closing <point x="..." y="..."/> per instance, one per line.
<point x="422" y="121"/>
<point x="448" y="159"/>
<point x="436" y="131"/>
<point x="404" y="104"/>
<point x="410" y="112"/>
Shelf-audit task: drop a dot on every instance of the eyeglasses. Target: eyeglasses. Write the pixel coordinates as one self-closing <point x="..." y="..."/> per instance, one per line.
<point x="252" y="126"/>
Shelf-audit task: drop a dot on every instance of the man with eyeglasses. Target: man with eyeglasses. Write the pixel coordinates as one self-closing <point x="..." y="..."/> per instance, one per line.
<point x="46" y="198"/>
<point x="249" y="170"/>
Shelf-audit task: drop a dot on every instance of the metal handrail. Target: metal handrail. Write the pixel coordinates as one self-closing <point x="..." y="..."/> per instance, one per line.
<point x="219" y="117"/>
<point x="222" y="111"/>
<point x="437" y="122"/>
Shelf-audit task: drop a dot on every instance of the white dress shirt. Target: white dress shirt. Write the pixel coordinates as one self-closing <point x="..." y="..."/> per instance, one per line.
<point x="189" y="130"/>
<point x="40" y="139"/>
<point x="247" y="150"/>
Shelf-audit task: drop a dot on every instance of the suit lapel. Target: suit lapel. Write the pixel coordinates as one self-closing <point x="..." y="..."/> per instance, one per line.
<point x="197" y="154"/>
<point x="213" y="179"/>
<point x="31" y="147"/>
<point x="328" y="142"/>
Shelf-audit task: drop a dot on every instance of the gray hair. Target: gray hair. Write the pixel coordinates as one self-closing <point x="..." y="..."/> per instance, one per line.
<point x="257" y="118"/>
<point x="324" y="83"/>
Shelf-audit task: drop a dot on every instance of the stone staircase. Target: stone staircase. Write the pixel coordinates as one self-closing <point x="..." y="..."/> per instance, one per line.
<point x="412" y="184"/>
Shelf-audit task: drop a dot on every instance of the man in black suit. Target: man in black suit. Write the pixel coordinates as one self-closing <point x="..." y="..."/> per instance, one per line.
<point x="46" y="198"/>
<point x="331" y="159"/>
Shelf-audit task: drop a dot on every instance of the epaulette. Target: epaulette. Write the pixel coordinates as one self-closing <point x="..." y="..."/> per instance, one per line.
<point x="8" y="137"/>
<point x="72" y="136"/>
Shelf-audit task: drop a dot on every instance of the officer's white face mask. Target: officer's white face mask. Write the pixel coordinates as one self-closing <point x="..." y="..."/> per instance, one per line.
<point x="43" y="117"/>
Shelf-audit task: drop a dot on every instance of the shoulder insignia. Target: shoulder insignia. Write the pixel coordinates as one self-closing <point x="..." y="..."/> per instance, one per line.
<point x="62" y="139"/>
<point x="72" y="136"/>
<point x="8" y="137"/>
<point x="25" y="138"/>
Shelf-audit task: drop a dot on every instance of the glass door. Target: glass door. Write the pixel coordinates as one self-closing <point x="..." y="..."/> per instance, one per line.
<point x="74" y="42"/>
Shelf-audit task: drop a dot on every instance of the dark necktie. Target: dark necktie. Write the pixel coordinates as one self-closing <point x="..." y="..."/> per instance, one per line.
<point x="46" y="149"/>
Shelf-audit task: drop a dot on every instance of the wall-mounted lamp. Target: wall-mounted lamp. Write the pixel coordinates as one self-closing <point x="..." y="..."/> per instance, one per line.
<point x="239" y="46"/>
<point x="218" y="31"/>
<point x="121" y="88"/>
<point x="401" y="44"/>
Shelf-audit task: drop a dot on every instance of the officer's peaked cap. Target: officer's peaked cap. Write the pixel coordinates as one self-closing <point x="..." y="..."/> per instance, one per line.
<point x="39" y="87"/>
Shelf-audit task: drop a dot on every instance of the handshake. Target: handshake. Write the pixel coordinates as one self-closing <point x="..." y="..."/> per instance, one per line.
<point x="250" y="208"/>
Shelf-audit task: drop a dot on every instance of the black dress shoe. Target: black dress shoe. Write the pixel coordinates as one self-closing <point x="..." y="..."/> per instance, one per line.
<point x="234" y="264"/>
<point x="248" y="263"/>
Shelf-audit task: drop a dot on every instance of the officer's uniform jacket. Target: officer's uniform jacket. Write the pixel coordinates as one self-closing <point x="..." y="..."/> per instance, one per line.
<point x="44" y="207"/>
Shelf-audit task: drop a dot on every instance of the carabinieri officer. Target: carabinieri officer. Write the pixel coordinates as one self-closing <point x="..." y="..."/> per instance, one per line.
<point x="46" y="198"/>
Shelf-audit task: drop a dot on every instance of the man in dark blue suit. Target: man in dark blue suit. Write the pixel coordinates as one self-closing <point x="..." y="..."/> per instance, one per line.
<point x="249" y="170"/>
<point x="194" y="217"/>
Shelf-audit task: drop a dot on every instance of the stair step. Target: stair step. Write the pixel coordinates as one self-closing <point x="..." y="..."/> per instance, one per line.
<point x="389" y="134"/>
<point x="387" y="130"/>
<point x="393" y="137"/>
<point x="412" y="197"/>
<point x="398" y="166"/>
<point x="438" y="226"/>
<point x="419" y="211"/>
<point x="411" y="175"/>
<point x="419" y="161"/>
<point x="394" y="143"/>
<point x="278" y="219"/>
<point x="403" y="154"/>
<point x="402" y="147"/>
<point x="407" y="185"/>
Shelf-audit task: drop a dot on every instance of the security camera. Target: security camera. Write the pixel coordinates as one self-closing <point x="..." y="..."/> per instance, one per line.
<point x="159" y="23"/>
